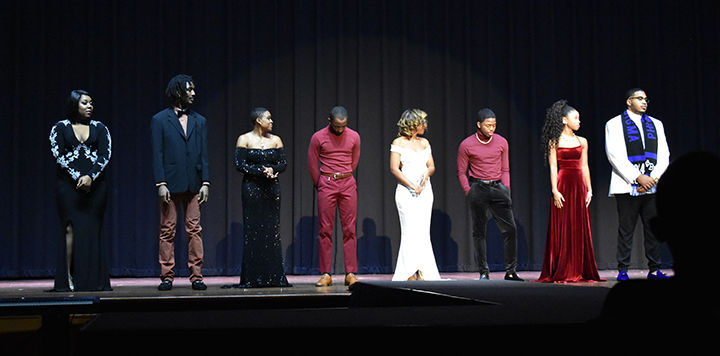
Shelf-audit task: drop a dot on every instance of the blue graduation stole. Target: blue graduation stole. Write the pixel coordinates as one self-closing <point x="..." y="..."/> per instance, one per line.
<point x="643" y="157"/>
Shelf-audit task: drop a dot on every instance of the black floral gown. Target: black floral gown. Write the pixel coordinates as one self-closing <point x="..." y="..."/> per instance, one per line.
<point x="83" y="210"/>
<point x="262" y="264"/>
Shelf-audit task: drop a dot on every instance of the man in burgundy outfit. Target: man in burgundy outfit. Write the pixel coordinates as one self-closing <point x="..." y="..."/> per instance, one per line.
<point x="483" y="168"/>
<point x="332" y="157"/>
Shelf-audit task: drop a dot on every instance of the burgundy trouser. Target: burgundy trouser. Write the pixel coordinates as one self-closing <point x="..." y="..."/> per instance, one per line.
<point x="168" y="221"/>
<point x="340" y="193"/>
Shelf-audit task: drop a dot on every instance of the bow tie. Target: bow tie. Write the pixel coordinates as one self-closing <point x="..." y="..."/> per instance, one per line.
<point x="180" y="112"/>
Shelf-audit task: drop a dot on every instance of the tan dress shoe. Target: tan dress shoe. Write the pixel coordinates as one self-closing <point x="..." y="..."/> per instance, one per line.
<point x="350" y="279"/>
<point x="324" y="281"/>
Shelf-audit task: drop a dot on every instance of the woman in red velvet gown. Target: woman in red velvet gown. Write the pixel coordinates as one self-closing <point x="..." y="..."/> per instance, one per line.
<point x="569" y="255"/>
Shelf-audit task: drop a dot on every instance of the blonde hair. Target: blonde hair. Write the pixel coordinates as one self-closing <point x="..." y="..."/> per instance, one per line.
<point x="410" y="120"/>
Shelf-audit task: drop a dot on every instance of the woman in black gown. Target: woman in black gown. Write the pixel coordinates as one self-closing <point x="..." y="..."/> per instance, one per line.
<point x="82" y="148"/>
<point x="260" y="156"/>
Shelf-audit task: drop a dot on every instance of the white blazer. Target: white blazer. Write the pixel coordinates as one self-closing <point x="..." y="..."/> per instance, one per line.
<point x="624" y="172"/>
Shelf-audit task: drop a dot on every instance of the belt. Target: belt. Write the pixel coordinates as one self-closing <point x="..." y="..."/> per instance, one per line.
<point x="337" y="175"/>
<point x="483" y="181"/>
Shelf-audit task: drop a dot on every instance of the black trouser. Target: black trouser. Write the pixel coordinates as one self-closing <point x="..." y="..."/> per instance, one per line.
<point x="629" y="208"/>
<point x="494" y="197"/>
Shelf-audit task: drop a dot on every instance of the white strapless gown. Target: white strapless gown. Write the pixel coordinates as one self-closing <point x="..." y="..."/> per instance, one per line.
<point x="416" y="253"/>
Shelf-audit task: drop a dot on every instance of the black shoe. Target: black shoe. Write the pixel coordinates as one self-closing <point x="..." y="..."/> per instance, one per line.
<point x="512" y="276"/>
<point x="484" y="275"/>
<point x="198" y="285"/>
<point x="165" y="285"/>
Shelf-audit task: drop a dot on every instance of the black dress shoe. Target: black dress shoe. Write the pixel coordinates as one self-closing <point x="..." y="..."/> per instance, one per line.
<point x="198" y="285"/>
<point x="512" y="276"/>
<point x="484" y="275"/>
<point x="165" y="285"/>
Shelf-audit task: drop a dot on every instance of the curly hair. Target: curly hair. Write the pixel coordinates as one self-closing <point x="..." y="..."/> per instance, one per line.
<point x="410" y="120"/>
<point x="553" y="126"/>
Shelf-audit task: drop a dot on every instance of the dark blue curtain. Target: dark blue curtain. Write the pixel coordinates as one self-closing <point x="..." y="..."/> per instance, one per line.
<point x="377" y="58"/>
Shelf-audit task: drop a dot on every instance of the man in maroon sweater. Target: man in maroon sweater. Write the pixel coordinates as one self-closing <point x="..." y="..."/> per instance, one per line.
<point x="337" y="150"/>
<point x="483" y="168"/>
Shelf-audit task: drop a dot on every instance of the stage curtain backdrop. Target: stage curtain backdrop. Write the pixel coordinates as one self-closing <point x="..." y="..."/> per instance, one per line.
<point x="377" y="58"/>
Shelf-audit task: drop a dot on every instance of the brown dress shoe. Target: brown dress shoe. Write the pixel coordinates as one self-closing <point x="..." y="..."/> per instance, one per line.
<point x="350" y="279"/>
<point x="324" y="281"/>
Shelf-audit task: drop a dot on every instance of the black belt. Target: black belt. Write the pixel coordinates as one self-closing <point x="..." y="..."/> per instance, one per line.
<point x="483" y="181"/>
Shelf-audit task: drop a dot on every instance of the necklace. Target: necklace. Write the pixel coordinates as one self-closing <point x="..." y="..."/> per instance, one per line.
<point x="481" y="141"/>
<point x="262" y="141"/>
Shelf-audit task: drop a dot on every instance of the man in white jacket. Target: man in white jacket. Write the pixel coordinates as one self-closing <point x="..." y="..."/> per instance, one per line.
<point x="638" y="152"/>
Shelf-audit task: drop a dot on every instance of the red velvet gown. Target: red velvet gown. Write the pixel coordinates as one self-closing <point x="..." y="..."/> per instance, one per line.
<point x="569" y="255"/>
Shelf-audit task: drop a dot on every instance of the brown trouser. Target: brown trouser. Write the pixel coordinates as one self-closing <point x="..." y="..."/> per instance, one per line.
<point x="168" y="221"/>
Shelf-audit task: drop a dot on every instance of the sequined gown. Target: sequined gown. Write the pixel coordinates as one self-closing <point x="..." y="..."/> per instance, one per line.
<point x="415" y="253"/>
<point x="262" y="264"/>
<point x="569" y="255"/>
<point x="83" y="210"/>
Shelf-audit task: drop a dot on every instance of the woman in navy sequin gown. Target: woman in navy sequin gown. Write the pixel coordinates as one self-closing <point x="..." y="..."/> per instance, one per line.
<point x="260" y="156"/>
<point x="82" y="149"/>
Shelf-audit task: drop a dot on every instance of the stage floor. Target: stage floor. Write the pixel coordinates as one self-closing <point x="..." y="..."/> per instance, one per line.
<point x="302" y="285"/>
<point x="136" y="309"/>
<point x="140" y="295"/>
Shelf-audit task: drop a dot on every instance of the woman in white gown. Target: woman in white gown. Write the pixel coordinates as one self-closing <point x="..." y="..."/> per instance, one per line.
<point x="412" y="164"/>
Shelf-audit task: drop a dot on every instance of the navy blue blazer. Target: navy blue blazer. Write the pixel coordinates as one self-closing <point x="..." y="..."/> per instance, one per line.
<point x="180" y="160"/>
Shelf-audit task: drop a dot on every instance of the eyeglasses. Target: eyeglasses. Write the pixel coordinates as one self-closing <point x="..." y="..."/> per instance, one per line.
<point x="640" y="98"/>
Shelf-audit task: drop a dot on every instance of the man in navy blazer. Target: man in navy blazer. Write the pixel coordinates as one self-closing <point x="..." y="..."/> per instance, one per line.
<point x="182" y="176"/>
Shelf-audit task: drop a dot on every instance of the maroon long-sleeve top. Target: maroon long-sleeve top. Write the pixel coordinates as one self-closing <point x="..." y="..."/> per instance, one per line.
<point x="334" y="153"/>
<point x="487" y="161"/>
